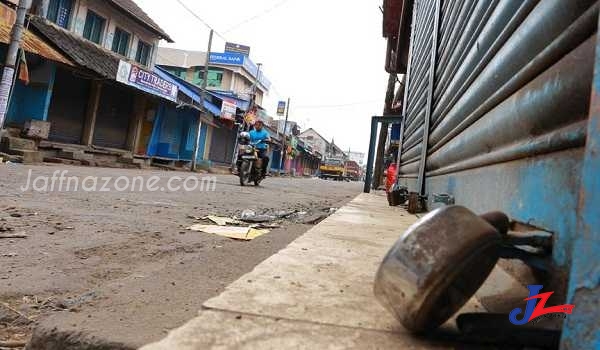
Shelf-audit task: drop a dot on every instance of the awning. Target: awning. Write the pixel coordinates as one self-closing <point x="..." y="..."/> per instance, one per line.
<point x="241" y="104"/>
<point x="33" y="44"/>
<point x="185" y="88"/>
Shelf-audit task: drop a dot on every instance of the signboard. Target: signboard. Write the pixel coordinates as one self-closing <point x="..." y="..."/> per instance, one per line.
<point x="146" y="81"/>
<point x="239" y="60"/>
<point x="237" y="48"/>
<point x="228" y="110"/>
<point x="227" y="58"/>
<point x="281" y="108"/>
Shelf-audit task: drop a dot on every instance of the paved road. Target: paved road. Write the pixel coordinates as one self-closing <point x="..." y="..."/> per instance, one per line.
<point x="121" y="266"/>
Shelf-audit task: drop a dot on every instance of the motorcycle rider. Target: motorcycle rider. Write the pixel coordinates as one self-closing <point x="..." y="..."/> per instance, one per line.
<point x="262" y="135"/>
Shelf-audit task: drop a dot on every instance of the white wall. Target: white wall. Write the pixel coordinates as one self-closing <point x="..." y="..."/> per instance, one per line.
<point x="114" y="19"/>
<point x="317" y="143"/>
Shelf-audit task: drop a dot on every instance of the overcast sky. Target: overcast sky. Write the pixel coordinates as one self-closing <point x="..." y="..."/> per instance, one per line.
<point x="326" y="55"/>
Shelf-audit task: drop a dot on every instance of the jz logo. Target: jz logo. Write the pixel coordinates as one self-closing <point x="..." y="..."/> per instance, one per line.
<point x="535" y="309"/>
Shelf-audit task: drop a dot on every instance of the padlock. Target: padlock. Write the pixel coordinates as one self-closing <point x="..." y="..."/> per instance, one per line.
<point x="436" y="266"/>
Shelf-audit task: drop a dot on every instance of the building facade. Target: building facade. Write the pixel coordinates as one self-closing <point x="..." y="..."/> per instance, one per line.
<point x="100" y="90"/>
<point x="321" y="145"/>
<point x="231" y="74"/>
<point x="358" y="157"/>
<point x="231" y="77"/>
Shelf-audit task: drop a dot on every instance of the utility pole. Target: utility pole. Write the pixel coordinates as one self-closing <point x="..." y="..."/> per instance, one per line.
<point x="254" y="86"/>
<point x="250" y="108"/>
<point x="203" y="98"/>
<point x="6" y="84"/>
<point x="283" y="150"/>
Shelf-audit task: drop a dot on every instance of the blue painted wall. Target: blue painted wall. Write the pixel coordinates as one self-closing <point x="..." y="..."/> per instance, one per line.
<point x="581" y="330"/>
<point x="32" y="101"/>
<point x="174" y="133"/>
<point x="536" y="191"/>
<point x="276" y="160"/>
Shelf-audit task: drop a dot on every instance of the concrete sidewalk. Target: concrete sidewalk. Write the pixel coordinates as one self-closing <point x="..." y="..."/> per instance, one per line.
<point x="316" y="293"/>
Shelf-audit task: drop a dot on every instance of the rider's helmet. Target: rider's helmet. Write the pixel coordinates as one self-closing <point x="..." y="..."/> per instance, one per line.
<point x="245" y="137"/>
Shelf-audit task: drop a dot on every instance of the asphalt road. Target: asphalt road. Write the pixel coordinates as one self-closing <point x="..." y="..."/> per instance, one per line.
<point x="119" y="267"/>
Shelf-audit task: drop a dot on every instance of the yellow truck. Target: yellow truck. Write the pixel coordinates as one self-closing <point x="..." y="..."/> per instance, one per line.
<point x="332" y="168"/>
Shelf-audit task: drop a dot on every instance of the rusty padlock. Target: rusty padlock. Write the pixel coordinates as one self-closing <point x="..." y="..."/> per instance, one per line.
<point x="436" y="266"/>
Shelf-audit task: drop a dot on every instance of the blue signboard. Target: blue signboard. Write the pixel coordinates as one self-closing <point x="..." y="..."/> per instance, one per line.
<point x="227" y="58"/>
<point x="239" y="60"/>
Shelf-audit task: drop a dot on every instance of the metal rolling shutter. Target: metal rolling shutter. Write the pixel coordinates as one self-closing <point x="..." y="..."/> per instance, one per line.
<point x="114" y="115"/>
<point x="68" y="107"/>
<point x="222" y="145"/>
<point x="505" y="101"/>
<point x="170" y="133"/>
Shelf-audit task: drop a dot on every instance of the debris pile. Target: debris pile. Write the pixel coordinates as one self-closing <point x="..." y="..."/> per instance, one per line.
<point x="250" y="224"/>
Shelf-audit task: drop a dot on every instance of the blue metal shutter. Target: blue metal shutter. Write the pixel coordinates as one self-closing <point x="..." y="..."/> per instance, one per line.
<point x="509" y="99"/>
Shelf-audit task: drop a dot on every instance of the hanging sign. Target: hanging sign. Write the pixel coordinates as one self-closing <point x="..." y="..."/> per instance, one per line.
<point x="228" y="110"/>
<point x="281" y="108"/>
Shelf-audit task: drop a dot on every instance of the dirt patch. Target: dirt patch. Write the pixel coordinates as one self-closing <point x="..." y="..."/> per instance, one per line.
<point x="120" y="268"/>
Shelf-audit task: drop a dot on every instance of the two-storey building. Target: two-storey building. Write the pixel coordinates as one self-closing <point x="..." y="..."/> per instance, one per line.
<point x="232" y="77"/>
<point x="229" y="74"/>
<point x="105" y="94"/>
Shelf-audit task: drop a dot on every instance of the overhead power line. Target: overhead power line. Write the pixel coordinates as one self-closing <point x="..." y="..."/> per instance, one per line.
<point x="336" y="105"/>
<point x="200" y="19"/>
<point x="257" y="16"/>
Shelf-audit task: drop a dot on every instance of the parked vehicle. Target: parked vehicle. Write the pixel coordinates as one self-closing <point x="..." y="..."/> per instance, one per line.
<point x="352" y="170"/>
<point x="333" y="168"/>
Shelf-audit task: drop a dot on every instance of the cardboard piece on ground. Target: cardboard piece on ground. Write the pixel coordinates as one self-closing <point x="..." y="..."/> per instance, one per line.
<point x="236" y="232"/>
<point x="223" y="221"/>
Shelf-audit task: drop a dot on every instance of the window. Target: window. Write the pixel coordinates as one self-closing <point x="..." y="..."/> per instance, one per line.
<point x="215" y="77"/>
<point x="120" y="42"/>
<point x="59" y="12"/>
<point x="94" y="27"/>
<point x="143" y="53"/>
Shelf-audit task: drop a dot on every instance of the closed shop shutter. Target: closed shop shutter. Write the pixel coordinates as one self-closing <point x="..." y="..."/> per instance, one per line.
<point x="222" y="145"/>
<point x="168" y="142"/>
<point x="68" y="107"/>
<point x="113" y="118"/>
<point x="497" y="98"/>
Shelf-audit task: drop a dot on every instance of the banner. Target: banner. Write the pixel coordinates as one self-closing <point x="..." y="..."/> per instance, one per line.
<point x="146" y="81"/>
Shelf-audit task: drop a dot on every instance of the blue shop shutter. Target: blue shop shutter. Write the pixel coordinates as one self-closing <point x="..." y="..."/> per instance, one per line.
<point x="395" y="134"/>
<point x="169" y="135"/>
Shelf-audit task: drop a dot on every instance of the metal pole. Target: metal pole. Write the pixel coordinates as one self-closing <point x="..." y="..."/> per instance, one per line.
<point x="383" y="132"/>
<point x="244" y="127"/>
<point x="254" y="86"/>
<point x="287" y="113"/>
<point x="202" y="98"/>
<point x="371" y="155"/>
<point x="7" y="82"/>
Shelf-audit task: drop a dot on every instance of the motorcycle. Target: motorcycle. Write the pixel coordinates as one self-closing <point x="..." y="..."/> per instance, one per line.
<point x="249" y="164"/>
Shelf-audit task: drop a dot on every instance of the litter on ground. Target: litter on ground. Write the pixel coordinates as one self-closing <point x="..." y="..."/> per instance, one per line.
<point x="222" y="220"/>
<point x="245" y="233"/>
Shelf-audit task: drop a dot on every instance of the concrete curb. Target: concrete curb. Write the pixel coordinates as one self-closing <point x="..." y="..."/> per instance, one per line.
<point x="315" y="293"/>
